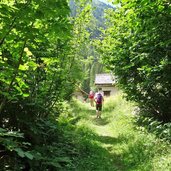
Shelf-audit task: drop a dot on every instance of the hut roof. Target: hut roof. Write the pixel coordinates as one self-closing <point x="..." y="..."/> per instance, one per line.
<point x="104" y="79"/>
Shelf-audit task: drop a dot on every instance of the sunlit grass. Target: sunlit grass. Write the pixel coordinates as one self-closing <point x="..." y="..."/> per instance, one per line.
<point x="113" y="143"/>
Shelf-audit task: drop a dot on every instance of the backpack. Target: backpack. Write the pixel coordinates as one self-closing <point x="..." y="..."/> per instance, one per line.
<point x="99" y="98"/>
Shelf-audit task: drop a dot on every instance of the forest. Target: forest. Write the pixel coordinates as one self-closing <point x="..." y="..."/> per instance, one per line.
<point x="49" y="49"/>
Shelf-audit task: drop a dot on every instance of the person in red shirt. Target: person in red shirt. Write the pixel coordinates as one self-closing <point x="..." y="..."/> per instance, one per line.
<point x="91" y="97"/>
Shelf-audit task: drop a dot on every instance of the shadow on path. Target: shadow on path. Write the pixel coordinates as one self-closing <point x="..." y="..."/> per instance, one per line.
<point x="96" y="157"/>
<point x="100" y="121"/>
<point x="112" y="140"/>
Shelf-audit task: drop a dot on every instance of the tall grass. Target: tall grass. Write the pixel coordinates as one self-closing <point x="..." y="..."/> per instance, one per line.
<point x="138" y="149"/>
<point x="114" y="143"/>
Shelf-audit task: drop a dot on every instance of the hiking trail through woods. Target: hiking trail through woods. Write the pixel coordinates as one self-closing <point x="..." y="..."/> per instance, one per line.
<point x="113" y="143"/>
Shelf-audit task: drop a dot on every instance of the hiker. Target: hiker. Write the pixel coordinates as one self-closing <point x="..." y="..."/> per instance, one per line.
<point x="99" y="101"/>
<point x="91" y="98"/>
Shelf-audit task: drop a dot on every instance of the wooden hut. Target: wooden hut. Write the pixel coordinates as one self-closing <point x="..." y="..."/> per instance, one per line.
<point x="107" y="83"/>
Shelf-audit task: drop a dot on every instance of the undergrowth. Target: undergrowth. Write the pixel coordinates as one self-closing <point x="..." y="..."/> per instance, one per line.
<point x="114" y="142"/>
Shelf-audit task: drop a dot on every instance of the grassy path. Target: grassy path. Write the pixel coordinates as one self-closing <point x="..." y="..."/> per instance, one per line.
<point x="114" y="144"/>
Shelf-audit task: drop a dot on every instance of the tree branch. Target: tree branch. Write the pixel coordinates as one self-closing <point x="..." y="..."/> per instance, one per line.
<point x="14" y="76"/>
<point x="10" y="28"/>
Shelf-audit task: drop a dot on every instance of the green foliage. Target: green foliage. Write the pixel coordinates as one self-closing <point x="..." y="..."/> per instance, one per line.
<point x="13" y="149"/>
<point x="27" y="76"/>
<point x="37" y="73"/>
<point x="53" y="147"/>
<point x="96" y="68"/>
<point x="158" y="128"/>
<point x="136" y="47"/>
<point x="81" y="42"/>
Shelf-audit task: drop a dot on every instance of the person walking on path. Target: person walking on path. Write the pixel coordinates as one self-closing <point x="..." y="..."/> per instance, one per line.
<point x="99" y="99"/>
<point x="91" y="98"/>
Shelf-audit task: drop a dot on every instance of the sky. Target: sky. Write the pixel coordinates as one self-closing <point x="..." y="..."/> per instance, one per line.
<point x="105" y="1"/>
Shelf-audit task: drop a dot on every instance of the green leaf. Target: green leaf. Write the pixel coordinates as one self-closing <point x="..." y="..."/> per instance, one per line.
<point x="2" y="130"/>
<point x="25" y="95"/>
<point x="29" y="155"/>
<point x="23" y="67"/>
<point x="20" y="152"/>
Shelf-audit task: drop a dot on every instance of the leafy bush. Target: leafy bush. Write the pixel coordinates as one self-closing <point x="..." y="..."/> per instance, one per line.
<point x="35" y="78"/>
<point x="13" y="150"/>
<point x="136" y="47"/>
<point x="161" y="130"/>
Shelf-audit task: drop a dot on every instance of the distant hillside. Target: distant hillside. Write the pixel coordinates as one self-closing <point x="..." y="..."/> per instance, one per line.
<point x="98" y="13"/>
<point x="100" y="7"/>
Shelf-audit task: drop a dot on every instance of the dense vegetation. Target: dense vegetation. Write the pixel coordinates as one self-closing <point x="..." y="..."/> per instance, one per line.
<point x="46" y="52"/>
<point x="38" y="71"/>
<point x="136" y="48"/>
